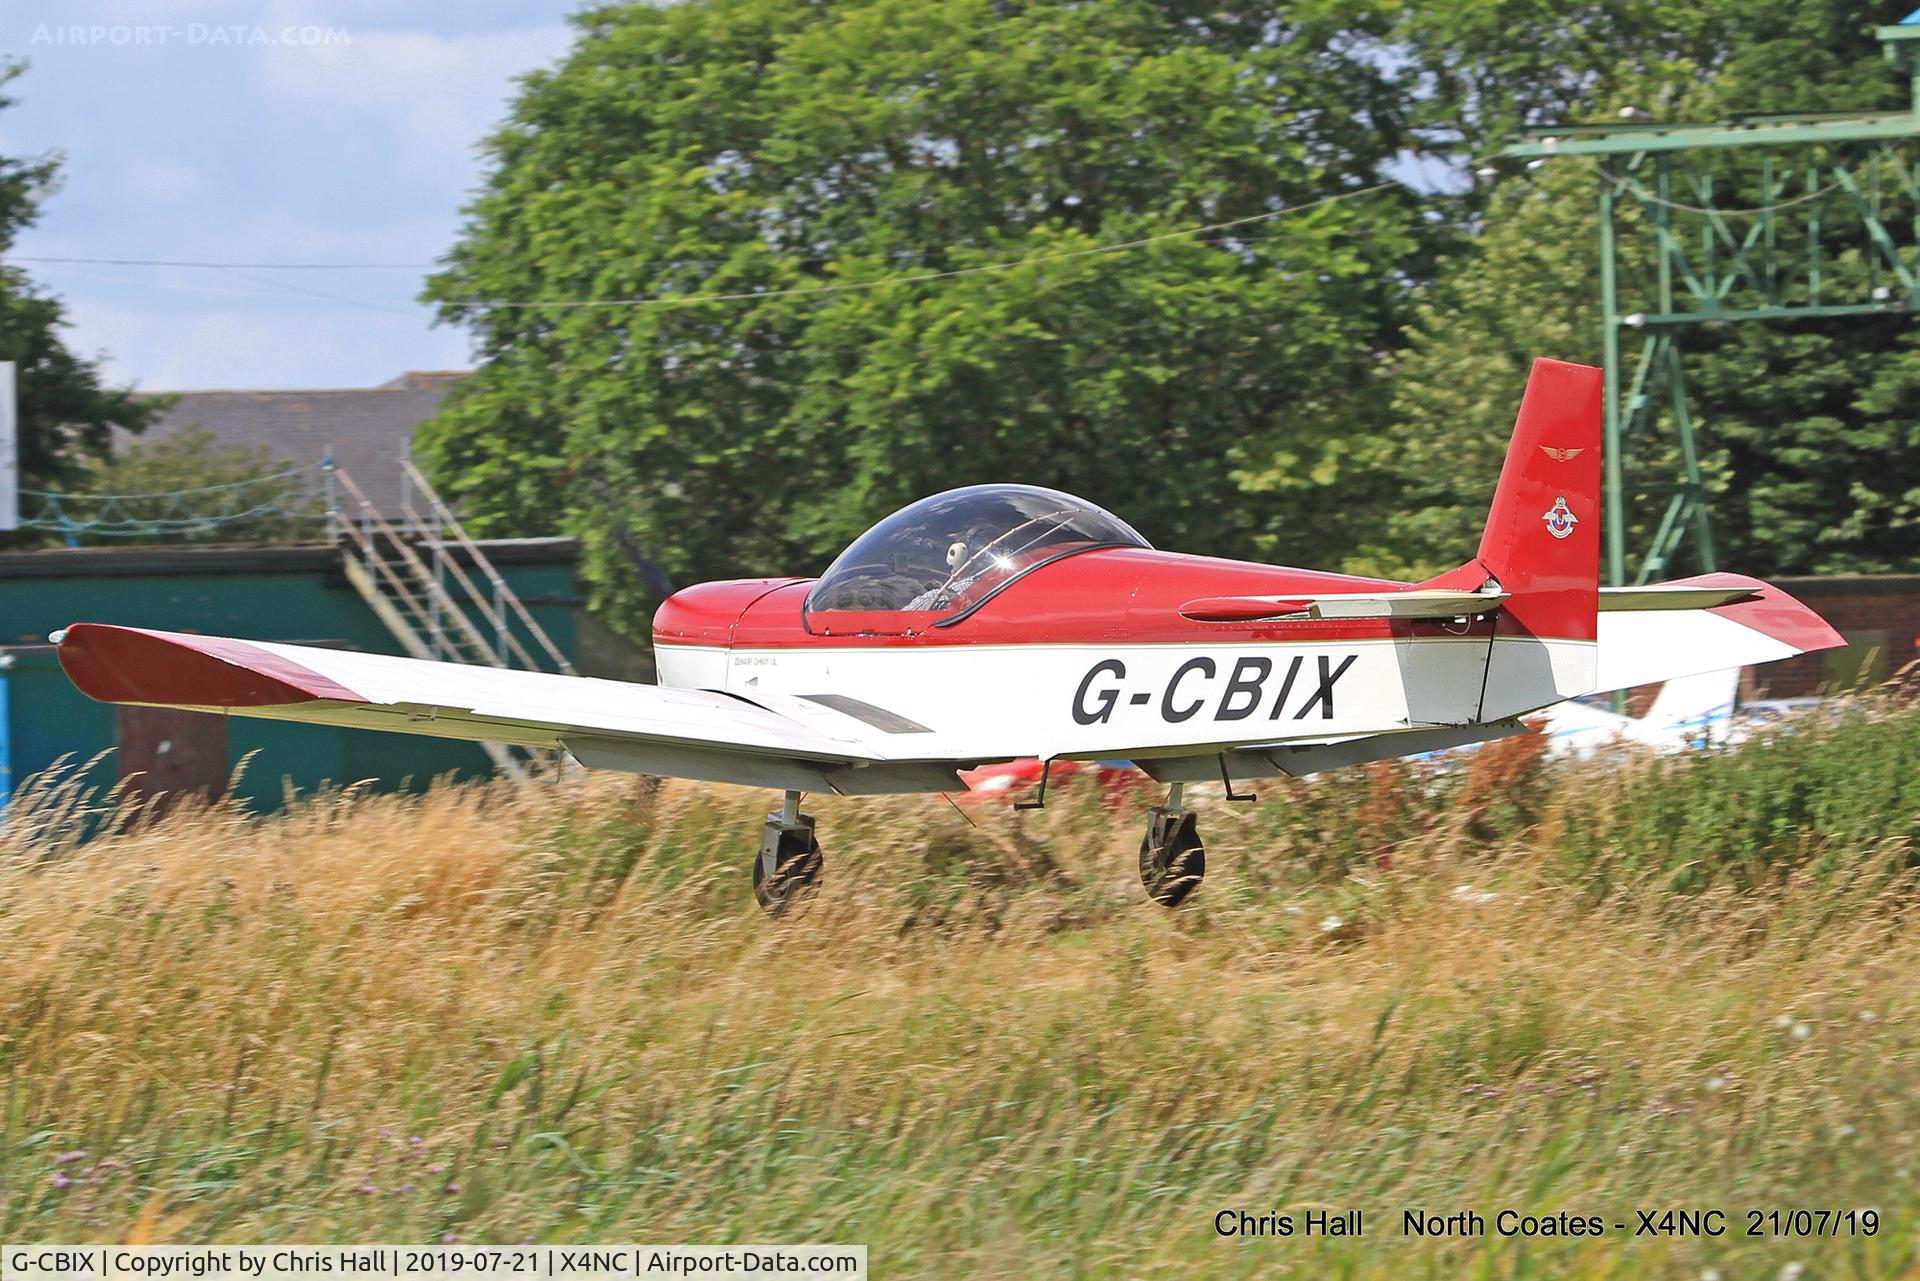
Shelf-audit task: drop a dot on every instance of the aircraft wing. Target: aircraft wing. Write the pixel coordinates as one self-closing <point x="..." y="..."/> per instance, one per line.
<point x="1297" y="759"/>
<point x="776" y="741"/>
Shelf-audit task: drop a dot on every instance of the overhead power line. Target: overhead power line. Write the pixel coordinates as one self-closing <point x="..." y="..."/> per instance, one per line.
<point x="687" y="300"/>
<point x="227" y="266"/>
<point x="314" y="293"/>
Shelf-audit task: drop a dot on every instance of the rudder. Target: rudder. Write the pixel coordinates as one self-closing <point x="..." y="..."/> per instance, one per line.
<point x="1542" y="546"/>
<point x="1542" y="539"/>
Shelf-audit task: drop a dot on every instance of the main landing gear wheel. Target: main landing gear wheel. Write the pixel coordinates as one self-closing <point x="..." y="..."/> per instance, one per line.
<point x="1172" y="859"/>
<point x="787" y="869"/>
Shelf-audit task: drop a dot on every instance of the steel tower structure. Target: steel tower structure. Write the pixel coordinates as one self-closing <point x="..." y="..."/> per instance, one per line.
<point x="1829" y="187"/>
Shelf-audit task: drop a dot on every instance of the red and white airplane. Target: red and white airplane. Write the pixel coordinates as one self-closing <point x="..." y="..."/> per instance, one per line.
<point x="1002" y="621"/>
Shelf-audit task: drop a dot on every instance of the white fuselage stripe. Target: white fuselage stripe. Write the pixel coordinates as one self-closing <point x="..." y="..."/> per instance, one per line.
<point x="994" y="701"/>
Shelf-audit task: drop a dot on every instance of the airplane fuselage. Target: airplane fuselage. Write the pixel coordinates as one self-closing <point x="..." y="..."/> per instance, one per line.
<point x="1094" y="643"/>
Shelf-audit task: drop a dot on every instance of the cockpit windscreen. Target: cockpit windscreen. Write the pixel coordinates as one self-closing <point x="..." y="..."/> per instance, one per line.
<point x="947" y="553"/>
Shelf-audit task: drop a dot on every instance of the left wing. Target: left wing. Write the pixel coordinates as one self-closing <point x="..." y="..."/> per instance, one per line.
<point x="1298" y="759"/>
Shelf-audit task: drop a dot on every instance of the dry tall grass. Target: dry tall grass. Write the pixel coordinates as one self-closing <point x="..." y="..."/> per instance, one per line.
<point x="556" y="1015"/>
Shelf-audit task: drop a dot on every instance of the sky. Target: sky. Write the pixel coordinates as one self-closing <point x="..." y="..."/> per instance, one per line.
<point x="335" y="131"/>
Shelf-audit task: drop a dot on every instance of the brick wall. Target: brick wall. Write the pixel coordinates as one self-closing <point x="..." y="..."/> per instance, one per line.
<point x="1879" y="614"/>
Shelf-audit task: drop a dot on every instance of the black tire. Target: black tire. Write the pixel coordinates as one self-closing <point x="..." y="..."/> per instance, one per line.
<point x="795" y="876"/>
<point x="1174" y="871"/>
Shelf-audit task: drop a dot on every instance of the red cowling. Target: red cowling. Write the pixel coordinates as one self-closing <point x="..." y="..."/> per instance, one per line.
<point x="705" y="613"/>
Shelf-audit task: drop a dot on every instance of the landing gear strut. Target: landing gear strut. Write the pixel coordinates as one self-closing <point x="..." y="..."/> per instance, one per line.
<point x="1172" y="859"/>
<point x="788" y="866"/>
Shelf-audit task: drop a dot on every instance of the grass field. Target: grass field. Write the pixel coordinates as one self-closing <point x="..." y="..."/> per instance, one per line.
<point x="555" y="1015"/>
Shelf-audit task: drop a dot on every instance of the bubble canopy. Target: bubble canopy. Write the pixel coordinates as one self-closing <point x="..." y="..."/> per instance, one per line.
<point x="948" y="553"/>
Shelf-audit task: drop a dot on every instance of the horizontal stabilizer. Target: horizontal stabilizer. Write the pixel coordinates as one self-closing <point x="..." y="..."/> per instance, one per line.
<point x="1641" y="644"/>
<point x="1671" y="596"/>
<point x="1415" y="603"/>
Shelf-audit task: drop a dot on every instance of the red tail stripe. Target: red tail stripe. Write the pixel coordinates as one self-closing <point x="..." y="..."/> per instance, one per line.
<point x="1542" y="539"/>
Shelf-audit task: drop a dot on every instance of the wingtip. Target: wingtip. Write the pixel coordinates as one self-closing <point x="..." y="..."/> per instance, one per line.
<point x="114" y="664"/>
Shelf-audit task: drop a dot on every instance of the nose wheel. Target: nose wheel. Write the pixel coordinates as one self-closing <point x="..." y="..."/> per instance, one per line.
<point x="1172" y="859"/>
<point x="787" y="869"/>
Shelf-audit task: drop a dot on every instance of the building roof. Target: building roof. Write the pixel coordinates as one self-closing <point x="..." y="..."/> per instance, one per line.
<point x="366" y="429"/>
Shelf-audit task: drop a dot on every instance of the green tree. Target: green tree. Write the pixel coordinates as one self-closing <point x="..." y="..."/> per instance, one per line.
<point x="1525" y="288"/>
<point x="1207" y="387"/>
<point x="1808" y="426"/>
<point x="66" y="415"/>
<point x="1479" y="71"/>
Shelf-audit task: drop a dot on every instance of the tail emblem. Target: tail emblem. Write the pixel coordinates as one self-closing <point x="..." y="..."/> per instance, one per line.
<point x="1560" y="521"/>
<point x="1562" y="455"/>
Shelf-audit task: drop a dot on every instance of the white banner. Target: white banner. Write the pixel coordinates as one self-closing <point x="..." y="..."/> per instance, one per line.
<point x="416" y="1262"/>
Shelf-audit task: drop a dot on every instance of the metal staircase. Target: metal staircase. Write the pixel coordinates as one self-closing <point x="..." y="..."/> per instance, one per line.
<point x="436" y="591"/>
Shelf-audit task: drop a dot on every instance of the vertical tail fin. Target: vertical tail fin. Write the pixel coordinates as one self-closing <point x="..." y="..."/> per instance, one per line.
<point x="1542" y="545"/>
<point x="1542" y="539"/>
<point x="1695" y="708"/>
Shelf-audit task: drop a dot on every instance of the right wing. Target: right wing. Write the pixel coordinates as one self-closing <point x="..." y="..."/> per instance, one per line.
<point x="776" y="741"/>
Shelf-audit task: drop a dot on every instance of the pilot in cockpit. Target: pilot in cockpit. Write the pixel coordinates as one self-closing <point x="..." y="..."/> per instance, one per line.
<point x="964" y="564"/>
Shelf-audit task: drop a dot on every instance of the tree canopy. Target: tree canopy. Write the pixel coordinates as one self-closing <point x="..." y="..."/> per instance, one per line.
<point x="1206" y="385"/>
<point x="1812" y="452"/>
<point x="805" y="198"/>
